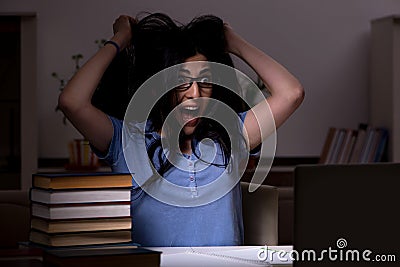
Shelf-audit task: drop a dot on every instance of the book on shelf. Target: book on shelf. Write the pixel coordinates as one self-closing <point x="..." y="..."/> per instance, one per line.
<point x="102" y="257"/>
<point x="347" y="147"/>
<point x="81" y="180"/>
<point x="81" y="225"/>
<point x="337" y="146"/>
<point x="80" y="239"/>
<point x="355" y="156"/>
<point x="369" y="136"/>
<point x="382" y="145"/>
<point x="328" y="145"/>
<point x="80" y="211"/>
<point x="63" y="196"/>
<point x="363" y="145"/>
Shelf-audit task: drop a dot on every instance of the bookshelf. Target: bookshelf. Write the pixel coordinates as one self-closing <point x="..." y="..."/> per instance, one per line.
<point x="353" y="146"/>
<point x="384" y="92"/>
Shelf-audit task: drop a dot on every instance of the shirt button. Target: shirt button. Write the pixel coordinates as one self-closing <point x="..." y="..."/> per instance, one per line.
<point x="191" y="178"/>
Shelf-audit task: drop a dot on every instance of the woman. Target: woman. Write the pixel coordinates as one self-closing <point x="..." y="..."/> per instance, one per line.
<point x="160" y="43"/>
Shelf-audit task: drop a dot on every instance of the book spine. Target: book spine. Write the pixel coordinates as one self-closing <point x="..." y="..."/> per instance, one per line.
<point x="345" y="147"/>
<point x="367" y="145"/>
<point x="351" y="146"/>
<point x="327" y="145"/>
<point x="337" y="147"/>
<point x="381" y="146"/>
<point x="80" y="211"/>
<point x="364" y="145"/>
<point x="71" y="196"/>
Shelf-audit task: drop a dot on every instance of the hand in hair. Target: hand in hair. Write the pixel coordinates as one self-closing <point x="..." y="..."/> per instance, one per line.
<point x="232" y="38"/>
<point x="286" y="92"/>
<point x="123" y="27"/>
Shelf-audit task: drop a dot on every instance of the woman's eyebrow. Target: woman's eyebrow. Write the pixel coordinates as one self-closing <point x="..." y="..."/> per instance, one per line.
<point x="186" y="71"/>
<point x="206" y="70"/>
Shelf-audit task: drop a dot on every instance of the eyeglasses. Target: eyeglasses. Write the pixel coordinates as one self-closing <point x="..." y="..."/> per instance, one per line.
<point x="187" y="82"/>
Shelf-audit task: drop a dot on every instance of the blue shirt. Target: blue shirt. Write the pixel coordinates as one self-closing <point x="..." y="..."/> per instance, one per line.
<point x="155" y="223"/>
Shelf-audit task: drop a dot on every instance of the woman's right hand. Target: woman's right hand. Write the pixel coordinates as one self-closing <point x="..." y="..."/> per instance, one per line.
<point x="122" y="29"/>
<point x="76" y="98"/>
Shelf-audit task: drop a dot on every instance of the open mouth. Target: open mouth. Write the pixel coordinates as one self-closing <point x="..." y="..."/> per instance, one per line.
<point x="190" y="114"/>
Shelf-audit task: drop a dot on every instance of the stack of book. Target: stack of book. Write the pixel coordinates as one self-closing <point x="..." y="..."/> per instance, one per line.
<point x="70" y="209"/>
<point x="363" y="145"/>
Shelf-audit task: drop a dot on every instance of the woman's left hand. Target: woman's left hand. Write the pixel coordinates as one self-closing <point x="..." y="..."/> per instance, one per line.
<point x="231" y="39"/>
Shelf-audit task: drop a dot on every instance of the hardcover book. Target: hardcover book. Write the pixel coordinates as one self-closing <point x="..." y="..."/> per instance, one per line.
<point x="81" y="211"/>
<point x="81" y="180"/>
<point x="81" y="225"/>
<point x="80" y="239"/>
<point x="48" y="196"/>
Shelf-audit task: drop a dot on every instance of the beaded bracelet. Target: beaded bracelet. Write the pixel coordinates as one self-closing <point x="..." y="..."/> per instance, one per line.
<point x="114" y="44"/>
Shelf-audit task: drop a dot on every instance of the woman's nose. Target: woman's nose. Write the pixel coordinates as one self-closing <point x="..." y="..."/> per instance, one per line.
<point x="193" y="91"/>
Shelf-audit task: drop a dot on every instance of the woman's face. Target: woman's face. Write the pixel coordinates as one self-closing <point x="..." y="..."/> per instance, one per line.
<point x="196" y="83"/>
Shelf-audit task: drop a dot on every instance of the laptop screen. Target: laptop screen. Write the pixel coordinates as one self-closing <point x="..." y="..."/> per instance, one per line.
<point x="347" y="215"/>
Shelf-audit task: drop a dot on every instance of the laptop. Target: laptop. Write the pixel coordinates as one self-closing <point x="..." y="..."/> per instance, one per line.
<point x="347" y="215"/>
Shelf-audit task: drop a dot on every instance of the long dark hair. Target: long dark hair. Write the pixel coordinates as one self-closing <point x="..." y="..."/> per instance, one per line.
<point x="160" y="42"/>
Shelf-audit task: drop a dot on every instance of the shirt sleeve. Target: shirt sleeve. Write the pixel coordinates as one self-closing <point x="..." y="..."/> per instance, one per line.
<point x="115" y="148"/>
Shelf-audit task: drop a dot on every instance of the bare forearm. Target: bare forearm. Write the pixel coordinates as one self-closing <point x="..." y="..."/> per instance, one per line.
<point x="276" y="78"/>
<point x="286" y="91"/>
<point x="79" y="90"/>
<point x="75" y="100"/>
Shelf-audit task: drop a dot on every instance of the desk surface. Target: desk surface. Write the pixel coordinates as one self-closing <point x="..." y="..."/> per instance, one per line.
<point x="242" y="256"/>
